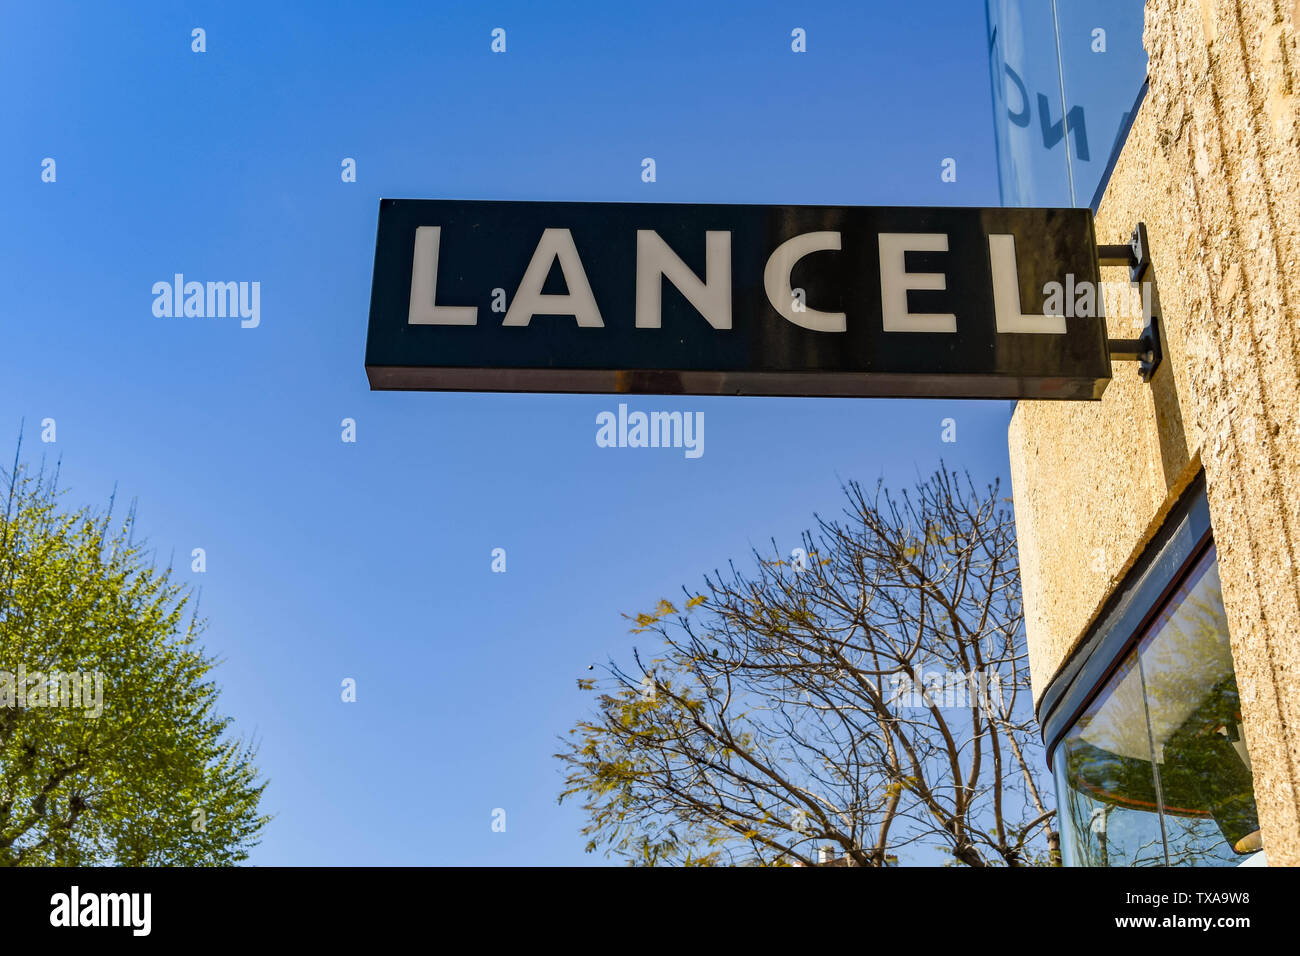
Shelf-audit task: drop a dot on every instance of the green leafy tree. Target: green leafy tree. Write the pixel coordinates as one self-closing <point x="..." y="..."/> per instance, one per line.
<point x="866" y="697"/>
<point x="154" y="778"/>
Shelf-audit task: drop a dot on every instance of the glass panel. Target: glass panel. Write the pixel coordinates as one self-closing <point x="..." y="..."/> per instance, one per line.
<point x="1109" y="805"/>
<point x="1103" y="66"/>
<point x="1156" y="770"/>
<point x="1025" y="73"/>
<point x="1196" y="730"/>
<point x="1065" y="75"/>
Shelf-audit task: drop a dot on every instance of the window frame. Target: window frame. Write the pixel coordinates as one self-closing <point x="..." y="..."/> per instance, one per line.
<point x="1127" y="615"/>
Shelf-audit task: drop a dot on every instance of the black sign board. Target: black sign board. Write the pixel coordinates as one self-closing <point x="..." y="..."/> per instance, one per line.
<point x="735" y="300"/>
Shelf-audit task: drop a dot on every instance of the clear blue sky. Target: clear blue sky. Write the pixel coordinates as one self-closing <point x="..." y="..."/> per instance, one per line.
<point x="372" y="560"/>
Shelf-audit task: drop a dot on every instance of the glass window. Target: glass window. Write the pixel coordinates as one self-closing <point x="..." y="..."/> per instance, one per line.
<point x="1156" y="771"/>
<point x="1065" y="76"/>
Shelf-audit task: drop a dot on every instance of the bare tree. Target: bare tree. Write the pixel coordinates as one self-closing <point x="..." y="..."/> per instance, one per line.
<point x="867" y="694"/>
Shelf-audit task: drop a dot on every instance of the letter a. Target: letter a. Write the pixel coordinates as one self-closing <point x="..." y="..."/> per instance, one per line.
<point x="528" y="300"/>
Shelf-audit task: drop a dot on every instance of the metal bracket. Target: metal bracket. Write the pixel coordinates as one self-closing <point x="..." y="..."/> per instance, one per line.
<point x="1145" y="349"/>
<point x="1136" y="255"/>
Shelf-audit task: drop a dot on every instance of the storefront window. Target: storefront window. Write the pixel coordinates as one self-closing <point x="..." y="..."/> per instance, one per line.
<point x="1156" y="771"/>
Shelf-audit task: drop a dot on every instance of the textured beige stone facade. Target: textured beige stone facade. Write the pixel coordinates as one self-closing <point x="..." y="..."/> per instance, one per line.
<point x="1212" y="166"/>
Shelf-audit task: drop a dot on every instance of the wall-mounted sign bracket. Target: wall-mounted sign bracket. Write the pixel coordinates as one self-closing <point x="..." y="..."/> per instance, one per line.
<point x="1136" y="255"/>
<point x="1145" y="349"/>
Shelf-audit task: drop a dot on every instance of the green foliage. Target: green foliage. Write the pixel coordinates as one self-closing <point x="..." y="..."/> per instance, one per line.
<point x="608" y="770"/>
<point x="155" y="779"/>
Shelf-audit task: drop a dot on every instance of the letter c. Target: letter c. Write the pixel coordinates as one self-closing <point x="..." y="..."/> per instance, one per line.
<point x="776" y="281"/>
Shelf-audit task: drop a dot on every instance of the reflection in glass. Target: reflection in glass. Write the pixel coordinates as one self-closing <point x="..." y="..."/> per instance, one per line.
<point x="1156" y="770"/>
<point x="1065" y="75"/>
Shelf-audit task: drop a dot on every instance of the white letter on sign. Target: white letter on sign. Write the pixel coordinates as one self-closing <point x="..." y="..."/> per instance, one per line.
<point x="1006" y="293"/>
<point x="424" y="285"/>
<point x="776" y="280"/>
<point x="895" y="280"/>
<point x="529" y="301"/>
<point x="654" y="259"/>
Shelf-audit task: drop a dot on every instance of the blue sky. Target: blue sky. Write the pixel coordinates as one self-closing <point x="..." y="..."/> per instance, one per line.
<point x="371" y="560"/>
